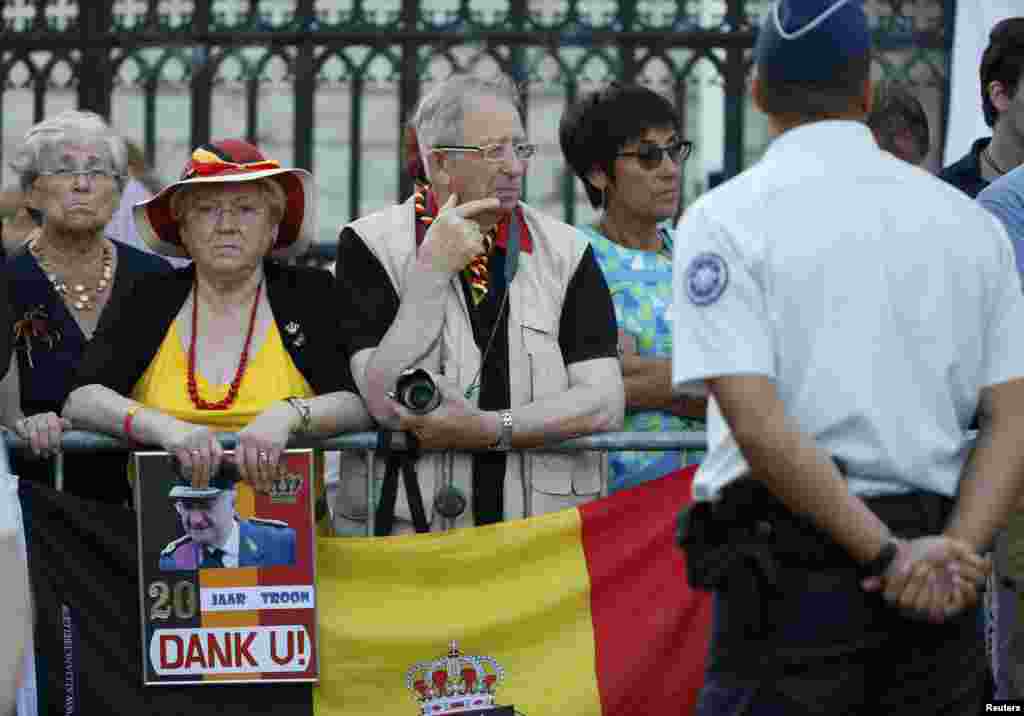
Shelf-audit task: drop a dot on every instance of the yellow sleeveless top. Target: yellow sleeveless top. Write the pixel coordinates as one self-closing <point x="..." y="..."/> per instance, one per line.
<point x="270" y="376"/>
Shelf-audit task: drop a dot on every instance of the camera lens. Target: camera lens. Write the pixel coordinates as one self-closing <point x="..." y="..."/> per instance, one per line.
<point x="421" y="393"/>
<point x="416" y="390"/>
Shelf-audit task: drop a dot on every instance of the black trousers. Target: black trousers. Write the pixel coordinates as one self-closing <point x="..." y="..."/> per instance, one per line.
<point x="828" y="647"/>
<point x="920" y="670"/>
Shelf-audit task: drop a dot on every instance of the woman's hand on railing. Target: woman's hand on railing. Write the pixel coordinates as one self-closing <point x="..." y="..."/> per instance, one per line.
<point x="197" y="449"/>
<point x="43" y="432"/>
<point x="261" y="444"/>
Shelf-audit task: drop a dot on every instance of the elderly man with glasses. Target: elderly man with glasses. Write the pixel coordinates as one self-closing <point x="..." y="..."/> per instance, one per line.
<point x="506" y="310"/>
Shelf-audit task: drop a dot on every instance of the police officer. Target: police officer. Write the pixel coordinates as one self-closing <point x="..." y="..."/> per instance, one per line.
<point x="215" y="537"/>
<point x="850" y="316"/>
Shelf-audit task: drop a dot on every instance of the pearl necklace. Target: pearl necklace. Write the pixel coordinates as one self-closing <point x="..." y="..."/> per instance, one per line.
<point x="80" y="296"/>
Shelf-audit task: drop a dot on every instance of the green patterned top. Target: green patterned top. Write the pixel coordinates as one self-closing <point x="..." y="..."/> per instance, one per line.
<point x="641" y="286"/>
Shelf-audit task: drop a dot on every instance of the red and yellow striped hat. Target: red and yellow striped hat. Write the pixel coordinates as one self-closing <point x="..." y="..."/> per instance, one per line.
<point x="232" y="160"/>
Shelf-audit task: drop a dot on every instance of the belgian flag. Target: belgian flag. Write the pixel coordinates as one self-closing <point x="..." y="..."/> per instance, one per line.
<point x="584" y="612"/>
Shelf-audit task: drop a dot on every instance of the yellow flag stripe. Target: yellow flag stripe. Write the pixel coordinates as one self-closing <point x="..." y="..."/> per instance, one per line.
<point x="517" y="592"/>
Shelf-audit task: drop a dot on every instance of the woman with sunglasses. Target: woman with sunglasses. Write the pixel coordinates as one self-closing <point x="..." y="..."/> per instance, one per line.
<point x="625" y="144"/>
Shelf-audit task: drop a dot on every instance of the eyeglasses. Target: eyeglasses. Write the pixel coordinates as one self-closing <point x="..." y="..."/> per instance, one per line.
<point x="523" y="151"/>
<point x="650" y="156"/>
<point x="213" y="213"/>
<point x="70" y="175"/>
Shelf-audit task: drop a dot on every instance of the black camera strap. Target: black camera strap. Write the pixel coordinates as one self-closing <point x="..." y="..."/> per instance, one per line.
<point x="384" y="520"/>
<point x="512" y="250"/>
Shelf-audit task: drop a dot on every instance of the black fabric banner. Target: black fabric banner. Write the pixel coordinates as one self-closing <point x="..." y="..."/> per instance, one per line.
<point x="83" y="562"/>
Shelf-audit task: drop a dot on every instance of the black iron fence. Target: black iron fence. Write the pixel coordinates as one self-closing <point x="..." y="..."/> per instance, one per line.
<point x="329" y="82"/>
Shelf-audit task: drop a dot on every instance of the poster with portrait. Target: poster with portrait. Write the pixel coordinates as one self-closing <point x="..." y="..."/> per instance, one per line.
<point x="227" y="574"/>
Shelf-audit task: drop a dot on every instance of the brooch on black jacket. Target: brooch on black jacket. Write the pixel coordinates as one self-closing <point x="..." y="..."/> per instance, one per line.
<point x="35" y="326"/>
<point x="295" y="335"/>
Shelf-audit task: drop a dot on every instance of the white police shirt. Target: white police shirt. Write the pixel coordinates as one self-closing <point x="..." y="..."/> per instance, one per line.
<point x="9" y="523"/>
<point x="878" y="299"/>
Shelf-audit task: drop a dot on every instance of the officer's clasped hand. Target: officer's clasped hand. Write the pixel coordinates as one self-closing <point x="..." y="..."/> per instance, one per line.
<point x="933" y="578"/>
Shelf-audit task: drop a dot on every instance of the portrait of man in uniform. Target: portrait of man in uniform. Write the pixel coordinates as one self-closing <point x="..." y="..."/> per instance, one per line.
<point x="215" y="537"/>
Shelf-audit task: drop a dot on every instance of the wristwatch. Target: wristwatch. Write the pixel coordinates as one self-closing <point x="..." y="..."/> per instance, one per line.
<point x="504" y="441"/>
<point x="878" y="566"/>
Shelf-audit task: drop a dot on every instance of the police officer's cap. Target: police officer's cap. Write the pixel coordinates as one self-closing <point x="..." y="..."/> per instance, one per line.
<point x="807" y="40"/>
<point x="225" y="479"/>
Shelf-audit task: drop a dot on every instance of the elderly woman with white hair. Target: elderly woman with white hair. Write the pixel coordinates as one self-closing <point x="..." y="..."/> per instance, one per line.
<point x="236" y="341"/>
<point x="71" y="169"/>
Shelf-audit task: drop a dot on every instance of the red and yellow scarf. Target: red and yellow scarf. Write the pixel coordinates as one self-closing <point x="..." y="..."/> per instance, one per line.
<point x="477" y="272"/>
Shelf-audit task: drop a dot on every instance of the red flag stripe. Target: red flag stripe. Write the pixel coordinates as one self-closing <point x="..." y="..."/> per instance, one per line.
<point x="650" y="629"/>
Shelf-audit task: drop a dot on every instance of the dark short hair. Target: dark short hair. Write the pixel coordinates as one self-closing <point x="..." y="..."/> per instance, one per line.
<point x="896" y="110"/>
<point x="598" y="125"/>
<point x="818" y="99"/>
<point x="1002" y="61"/>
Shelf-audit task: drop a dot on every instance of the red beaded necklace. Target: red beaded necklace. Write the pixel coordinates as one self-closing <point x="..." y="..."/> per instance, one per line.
<point x="193" y="389"/>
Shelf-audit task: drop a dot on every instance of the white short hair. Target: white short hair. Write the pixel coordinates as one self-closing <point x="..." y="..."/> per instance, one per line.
<point x="439" y="114"/>
<point x="71" y="125"/>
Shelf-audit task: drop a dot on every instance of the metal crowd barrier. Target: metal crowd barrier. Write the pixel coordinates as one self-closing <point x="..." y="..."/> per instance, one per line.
<point x="80" y="441"/>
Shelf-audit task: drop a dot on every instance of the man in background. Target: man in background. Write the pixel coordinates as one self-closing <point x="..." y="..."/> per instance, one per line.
<point x="899" y="123"/>
<point x="1002" y="100"/>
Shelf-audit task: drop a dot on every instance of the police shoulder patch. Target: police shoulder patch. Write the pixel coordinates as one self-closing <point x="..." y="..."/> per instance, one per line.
<point x="706" y="278"/>
<point x="174" y="544"/>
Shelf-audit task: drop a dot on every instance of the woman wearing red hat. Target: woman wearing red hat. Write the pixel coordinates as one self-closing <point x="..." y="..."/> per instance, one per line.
<point x="234" y="342"/>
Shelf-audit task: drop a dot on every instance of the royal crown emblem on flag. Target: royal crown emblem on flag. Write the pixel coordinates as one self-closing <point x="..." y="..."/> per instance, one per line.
<point x="454" y="684"/>
<point x="285" y="488"/>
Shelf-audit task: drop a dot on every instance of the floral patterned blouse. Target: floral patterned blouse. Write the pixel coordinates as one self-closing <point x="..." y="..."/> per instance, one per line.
<point x="641" y="286"/>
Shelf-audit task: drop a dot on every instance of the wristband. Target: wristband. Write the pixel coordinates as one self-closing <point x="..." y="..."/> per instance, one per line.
<point x="128" y="418"/>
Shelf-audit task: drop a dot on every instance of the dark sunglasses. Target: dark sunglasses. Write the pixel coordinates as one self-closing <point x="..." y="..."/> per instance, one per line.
<point x="650" y="156"/>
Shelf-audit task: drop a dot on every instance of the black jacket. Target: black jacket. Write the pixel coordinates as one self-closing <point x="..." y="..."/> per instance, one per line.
<point x="303" y="301"/>
<point x="965" y="174"/>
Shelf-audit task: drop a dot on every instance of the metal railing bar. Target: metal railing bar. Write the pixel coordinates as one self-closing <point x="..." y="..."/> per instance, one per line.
<point x="81" y="441"/>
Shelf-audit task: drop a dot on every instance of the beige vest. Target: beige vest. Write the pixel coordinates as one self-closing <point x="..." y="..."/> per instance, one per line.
<point x="536" y="366"/>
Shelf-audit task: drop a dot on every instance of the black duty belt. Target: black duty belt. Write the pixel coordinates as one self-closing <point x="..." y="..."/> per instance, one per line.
<point x="744" y="540"/>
